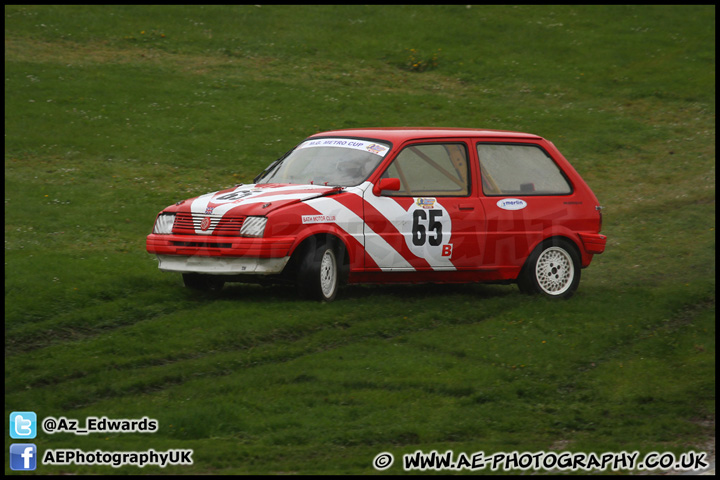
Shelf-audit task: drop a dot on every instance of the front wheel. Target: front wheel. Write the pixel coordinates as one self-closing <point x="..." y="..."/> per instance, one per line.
<point x="319" y="274"/>
<point x="552" y="270"/>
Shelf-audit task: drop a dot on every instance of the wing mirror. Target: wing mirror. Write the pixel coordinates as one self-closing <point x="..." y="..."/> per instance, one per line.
<point x="392" y="184"/>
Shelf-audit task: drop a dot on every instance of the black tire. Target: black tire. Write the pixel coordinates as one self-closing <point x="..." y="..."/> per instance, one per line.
<point x="204" y="283"/>
<point x="552" y="270"/>
<point x="318" y="276"/>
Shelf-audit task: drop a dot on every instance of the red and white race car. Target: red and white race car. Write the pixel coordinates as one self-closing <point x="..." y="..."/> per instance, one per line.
<point x="388" y="205"/>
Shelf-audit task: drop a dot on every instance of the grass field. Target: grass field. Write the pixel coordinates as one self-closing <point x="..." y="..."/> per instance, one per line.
<point x="113" y="113"/>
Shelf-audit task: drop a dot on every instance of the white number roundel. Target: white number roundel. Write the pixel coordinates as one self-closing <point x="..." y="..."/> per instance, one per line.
<point x="429" y="237"/>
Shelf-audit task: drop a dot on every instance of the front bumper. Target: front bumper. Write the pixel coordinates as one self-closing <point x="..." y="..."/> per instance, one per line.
<point x="221" y="265"/>
<point x="220" y="255"/>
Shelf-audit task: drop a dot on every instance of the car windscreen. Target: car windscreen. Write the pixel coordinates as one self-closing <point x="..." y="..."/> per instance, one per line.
<point x="327" y="161"/>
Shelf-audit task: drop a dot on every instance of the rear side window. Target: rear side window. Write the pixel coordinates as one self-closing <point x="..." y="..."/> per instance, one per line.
<point x="431" y="170"/>
<point x="520" y="170"/>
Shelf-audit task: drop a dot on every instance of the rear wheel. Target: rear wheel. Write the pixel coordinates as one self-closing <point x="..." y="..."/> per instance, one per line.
<point x="552" y="270"/>
<point x="319" y="273"/>
<point x="201" y="282"/>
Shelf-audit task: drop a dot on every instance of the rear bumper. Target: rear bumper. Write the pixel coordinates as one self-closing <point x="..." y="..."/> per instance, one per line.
<point x="220" y="255"/>
<point x="593" y="242"/>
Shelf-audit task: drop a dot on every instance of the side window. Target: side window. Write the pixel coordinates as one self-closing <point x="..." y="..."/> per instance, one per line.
<point x="519" y="170"/>
<point x="438" y="169"/>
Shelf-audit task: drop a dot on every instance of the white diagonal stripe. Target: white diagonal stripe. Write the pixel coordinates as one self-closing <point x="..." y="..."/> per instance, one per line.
<point x="379" y="250"/>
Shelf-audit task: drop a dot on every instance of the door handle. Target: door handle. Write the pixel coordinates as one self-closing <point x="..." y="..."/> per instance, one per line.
<point x="466" y="206"/>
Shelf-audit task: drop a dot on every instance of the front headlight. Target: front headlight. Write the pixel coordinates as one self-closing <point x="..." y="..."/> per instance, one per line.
<point x="164" y="223"/>
<point x="253" y="227"/>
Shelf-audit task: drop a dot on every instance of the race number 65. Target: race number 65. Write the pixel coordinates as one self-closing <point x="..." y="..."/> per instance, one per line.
<point x="420" y="231"/>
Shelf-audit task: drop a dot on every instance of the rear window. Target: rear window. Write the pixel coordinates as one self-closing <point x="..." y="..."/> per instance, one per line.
<point x="520" y="170"/>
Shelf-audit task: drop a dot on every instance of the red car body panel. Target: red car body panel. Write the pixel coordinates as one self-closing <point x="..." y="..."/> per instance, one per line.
<point x="441" y="238"/>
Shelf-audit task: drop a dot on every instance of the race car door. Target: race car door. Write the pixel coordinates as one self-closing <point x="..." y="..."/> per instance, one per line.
<point x="521" y="186"/>
<point x="432" y="222"/>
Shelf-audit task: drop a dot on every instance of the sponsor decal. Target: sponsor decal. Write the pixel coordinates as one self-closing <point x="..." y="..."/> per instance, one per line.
<point x="376" y="149"/>
<point x="425" y="202"/>
<point x="318" y="219"/>
<point x="511" y="204"/>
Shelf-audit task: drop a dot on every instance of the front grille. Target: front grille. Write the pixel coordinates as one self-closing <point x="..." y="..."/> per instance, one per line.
<point x="191" y="224"/>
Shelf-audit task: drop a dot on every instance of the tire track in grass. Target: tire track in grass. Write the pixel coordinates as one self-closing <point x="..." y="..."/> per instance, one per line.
<point x="108" y="379"/>
<point x="87" y="322"/>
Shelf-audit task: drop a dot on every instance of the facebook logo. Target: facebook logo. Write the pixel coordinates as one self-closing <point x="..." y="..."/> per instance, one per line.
<point x="23" y="425"/>
<point x="23" y="456"/>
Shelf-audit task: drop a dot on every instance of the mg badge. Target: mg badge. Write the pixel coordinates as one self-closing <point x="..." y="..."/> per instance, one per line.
<point x="205" y="224"/>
